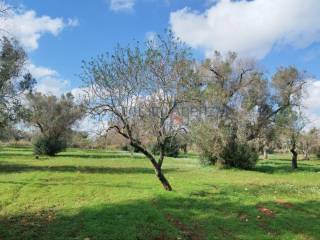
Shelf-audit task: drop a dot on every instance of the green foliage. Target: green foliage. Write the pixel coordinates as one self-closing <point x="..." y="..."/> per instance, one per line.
<point x="171" y="147"/>
<point x="54" y="118"/>
<point x="12" y="83"/>
<point x="129" y="148"/>
<point x="223" y="147"/>
<point x="50" y="146"/>
<point x="241" y="155"/>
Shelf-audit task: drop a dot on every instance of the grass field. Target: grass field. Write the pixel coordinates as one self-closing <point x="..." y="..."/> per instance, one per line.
<point x="113" y="195"/>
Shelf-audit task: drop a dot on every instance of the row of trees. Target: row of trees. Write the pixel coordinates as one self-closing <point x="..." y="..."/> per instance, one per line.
<point x="155" y="93"/>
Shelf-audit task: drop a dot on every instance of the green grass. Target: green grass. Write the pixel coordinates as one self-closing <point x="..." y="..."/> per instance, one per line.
<point x="113" y="195"/>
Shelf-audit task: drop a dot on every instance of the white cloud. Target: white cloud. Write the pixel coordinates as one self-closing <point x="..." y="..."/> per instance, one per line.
<point x="73" y="22"/>
<point x="312" y="103"/>
<point x="40" y="72"/>
<point x="251" y="28"/>
<point x="122" y="5"/>
<point x="48" y="80"/>
<point x="28" y="28"/>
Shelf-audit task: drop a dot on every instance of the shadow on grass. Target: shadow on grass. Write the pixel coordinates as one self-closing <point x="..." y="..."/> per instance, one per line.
<point x="106" y="155"/>
<point x="6" y="167"/>
<point x="56" y="182"/>
<point x="284" y="166"/>
<point x="168" y="219"/>
<point x="101" y="156"/>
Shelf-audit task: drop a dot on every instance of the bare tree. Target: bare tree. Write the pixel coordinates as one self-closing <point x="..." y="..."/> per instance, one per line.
<point x="139" y="89"/>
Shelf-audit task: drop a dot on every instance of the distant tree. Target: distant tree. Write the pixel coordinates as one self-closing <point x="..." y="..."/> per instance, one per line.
<point x="54" y="118"/>
<point x="80" y="139"/>
<point x="12" y="84"/>
<point x="309" y="141"/>
<point x="139" y="89"/>
<point x="288" y="85"/>
<point x="290" y="124"/>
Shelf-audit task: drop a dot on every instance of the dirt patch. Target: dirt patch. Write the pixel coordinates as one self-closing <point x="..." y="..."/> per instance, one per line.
<point x="187" y="232"/>
<point x="266" y="211"/>
<point x="41" y="218"/>
<point x="284" y="203"/>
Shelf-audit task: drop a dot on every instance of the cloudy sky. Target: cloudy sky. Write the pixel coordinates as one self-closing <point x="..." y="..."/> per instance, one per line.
<point x="59" y="34"/>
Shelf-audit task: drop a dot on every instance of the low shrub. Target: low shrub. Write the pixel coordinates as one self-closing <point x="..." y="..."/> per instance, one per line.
<point x="48" y="146"/>
<point x="240" y="155"/>
<point x="171" y="148"/>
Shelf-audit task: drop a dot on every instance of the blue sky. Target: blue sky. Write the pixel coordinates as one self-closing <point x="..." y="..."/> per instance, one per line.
<point x="58" y="34"/>
<point x="100" y="29"/>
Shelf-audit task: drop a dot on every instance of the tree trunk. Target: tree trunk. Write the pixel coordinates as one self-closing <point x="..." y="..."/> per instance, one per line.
<point x="163" y="180"/>
<point x="265" y="153"/>
<point x="185" y="148"/>
<point x="294" y="161"/>
<point x="306" y="155"/>
<point x="161" y="157"/>
<point x="165" y="183"/>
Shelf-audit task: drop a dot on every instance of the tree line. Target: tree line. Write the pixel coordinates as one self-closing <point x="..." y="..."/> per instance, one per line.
<point x="159" y="98"/>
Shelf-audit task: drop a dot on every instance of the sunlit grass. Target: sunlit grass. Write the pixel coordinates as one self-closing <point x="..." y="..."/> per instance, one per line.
<point x="91" y="194"/>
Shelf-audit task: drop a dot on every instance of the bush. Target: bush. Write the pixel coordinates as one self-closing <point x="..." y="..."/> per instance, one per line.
<point x="207" y="157"/>
<point x="48" y="146"/>
<point x="129" y="148"/>
<point x="171" y="148"/>
<point x="241" y="155"/>
<point x="224" y="146"/>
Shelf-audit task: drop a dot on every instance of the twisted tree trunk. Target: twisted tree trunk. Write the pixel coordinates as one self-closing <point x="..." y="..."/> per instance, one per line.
<point x="157" y="166"/>
<point x="294" y="161"/>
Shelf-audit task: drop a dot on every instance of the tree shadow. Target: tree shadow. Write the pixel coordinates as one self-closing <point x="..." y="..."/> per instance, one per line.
<point x="100" y="156"/>
<point x="284" y="166"/>
<point x="46" y="183"/>
<point x="107" y="155"/>
<point x="192" y="218"/>
<point x="6" y="167"/>
<point x="15" y="154"/>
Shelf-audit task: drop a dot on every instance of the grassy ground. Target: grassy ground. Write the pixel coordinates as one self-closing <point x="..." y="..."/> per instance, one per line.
<point x="113" y="195"/>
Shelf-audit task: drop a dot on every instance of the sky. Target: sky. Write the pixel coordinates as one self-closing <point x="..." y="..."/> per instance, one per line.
<point x="59" y="34"/>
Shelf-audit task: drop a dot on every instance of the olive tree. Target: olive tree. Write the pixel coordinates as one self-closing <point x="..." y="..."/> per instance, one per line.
<point x="53" y="117"/>
<point x="139" y="89"/>
<point x="231" y="93"/>
<point x="308" y="142"/>
<point x="12" y="81"/>
<point x="242" y="105"/>
<point x="289" y="90"/>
